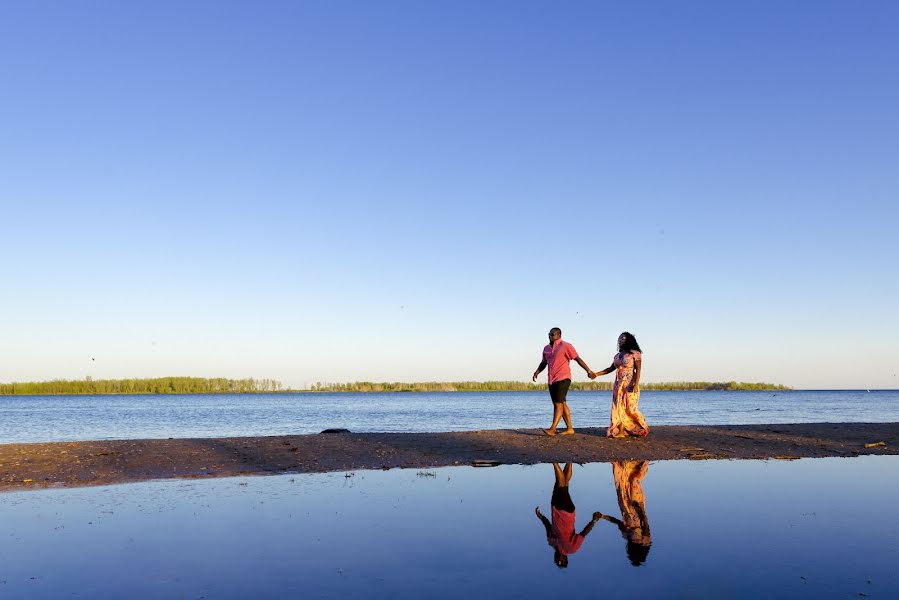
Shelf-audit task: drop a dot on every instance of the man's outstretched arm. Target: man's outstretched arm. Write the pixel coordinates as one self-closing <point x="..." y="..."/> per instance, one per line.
<point x="596" y="517"/>
<point x="584" y="366"/>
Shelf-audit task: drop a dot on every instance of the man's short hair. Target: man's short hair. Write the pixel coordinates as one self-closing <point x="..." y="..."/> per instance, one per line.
<point x="556" y="330"/>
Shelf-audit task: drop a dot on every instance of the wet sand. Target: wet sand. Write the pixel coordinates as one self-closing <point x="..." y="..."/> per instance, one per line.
<point x="73" y="464"/>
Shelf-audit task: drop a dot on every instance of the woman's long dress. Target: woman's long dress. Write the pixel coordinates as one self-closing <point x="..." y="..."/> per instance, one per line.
<point x="627" y="420"/>
<point x="628" y="475"/>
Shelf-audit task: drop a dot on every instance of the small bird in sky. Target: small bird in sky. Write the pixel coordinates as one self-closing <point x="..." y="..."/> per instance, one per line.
<point x="93" y="359"/>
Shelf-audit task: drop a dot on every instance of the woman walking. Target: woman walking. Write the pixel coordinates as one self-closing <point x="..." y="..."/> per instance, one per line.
<point x="626" y="420"/>
<point x="634" y="526"/>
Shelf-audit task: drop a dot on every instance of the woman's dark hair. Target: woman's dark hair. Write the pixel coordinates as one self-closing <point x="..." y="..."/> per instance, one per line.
<point x="637" y="553"/>
<point x="630" y="343"/>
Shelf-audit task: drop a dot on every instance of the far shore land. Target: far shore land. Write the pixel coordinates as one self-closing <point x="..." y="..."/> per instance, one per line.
<point x="75" y="464"/>
<point x="220" y="385"/>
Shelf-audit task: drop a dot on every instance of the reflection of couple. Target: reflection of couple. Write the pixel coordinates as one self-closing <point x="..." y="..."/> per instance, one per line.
<point x="634" y="526"/>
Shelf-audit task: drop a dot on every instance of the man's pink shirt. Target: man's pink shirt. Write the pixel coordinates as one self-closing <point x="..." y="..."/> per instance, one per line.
<point x="557" y="357"/>
<point x="564" y="539"/>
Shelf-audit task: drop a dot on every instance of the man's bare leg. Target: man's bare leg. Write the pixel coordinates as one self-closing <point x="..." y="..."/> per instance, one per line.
<point x="566" y="415"/>
<point x="557" y="416"/>
<point x="560" y="476"/>
<point x="567" y="473"/>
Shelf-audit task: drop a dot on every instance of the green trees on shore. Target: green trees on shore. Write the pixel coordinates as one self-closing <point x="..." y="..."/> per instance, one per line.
<point x="520" y="386"/>
<point x="160" y="385"/>
<point x="735" y="386"/>
<point x="199" y="385"/>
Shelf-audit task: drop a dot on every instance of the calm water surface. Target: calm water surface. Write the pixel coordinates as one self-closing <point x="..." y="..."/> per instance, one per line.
<point x="52" y="418"/>
<point x="812" y="528"/>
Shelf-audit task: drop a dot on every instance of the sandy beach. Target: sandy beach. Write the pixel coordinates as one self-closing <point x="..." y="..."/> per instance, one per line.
<point x="73" y="464"/>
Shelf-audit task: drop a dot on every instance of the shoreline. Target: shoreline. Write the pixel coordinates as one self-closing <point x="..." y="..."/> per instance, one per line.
<point x="575" y="388"/>
<point x="414" y="391"/>
<point x="90" y="463"/>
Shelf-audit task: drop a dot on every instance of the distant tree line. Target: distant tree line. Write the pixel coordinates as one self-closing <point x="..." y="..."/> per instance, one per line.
<point x="159" y="385"/>
<point x="736" y="386"/>
<point x="427" y="386"/>
<point x="200" y="385"/>
<point x="520" y="386"/>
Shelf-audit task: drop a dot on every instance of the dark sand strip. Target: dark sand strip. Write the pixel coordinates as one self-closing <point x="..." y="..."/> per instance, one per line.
<point x="24" y="466"/>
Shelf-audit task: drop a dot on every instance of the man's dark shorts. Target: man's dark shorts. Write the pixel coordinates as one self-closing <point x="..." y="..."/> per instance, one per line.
<point x="558" y="391"/>
<point x="562" y="500"/>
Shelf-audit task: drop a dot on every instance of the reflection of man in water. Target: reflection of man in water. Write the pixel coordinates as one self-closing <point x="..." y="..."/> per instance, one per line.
<point x="634" y="526"/>
<point x="560" y="532"/>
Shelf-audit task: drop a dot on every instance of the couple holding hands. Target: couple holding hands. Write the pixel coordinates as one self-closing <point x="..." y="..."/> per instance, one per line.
<point x="626" y="419"/>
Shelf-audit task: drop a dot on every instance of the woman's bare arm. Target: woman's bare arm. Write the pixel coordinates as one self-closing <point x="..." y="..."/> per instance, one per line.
<point x="617" y="522"/>
<point x="641" y="514"/>
<point x="607" y="370"/>
<point x="638" y="364"/>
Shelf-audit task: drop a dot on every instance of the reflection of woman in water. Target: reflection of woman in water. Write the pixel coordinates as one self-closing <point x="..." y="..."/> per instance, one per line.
<point x="560" y="532"/>
<point x="634" y="527"/>
<point x="627" y="420"/>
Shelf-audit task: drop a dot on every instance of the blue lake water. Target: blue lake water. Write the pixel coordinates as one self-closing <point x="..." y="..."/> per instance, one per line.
<point x="55" y="418"/>
<point x="811" y="528"/>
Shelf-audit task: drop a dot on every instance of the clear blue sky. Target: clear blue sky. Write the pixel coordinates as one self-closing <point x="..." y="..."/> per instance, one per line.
<point x="340" y="191"/>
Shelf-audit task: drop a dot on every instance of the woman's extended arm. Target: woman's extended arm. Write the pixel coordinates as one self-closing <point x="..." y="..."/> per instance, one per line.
<point x="606" y="371"/>
<point x="617" y="522"/>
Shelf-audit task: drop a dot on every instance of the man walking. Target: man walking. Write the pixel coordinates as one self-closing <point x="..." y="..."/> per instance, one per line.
<point x="556" y="355"/>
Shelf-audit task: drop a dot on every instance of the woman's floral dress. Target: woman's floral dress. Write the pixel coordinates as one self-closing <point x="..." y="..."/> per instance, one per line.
<point x="628" y="475"/>
<point x="627" y="420"/>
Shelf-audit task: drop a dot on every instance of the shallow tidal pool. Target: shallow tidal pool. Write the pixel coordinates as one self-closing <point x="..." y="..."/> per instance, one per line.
<point x="807" y="528"/>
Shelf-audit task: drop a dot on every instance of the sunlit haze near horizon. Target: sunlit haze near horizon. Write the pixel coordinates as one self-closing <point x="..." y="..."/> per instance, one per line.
<point x="418" y="191"/>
